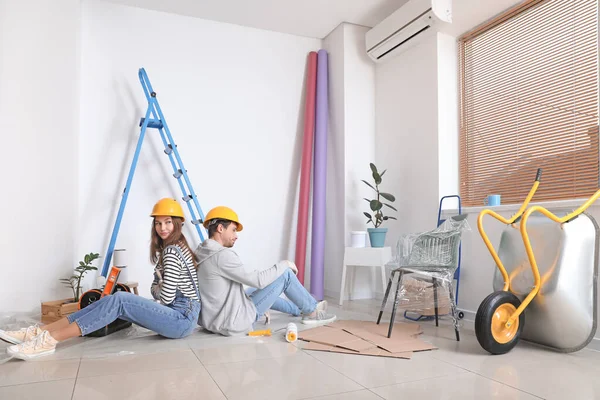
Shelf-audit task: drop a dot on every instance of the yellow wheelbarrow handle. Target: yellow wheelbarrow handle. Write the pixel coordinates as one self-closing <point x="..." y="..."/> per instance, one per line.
<point x="527" y="243"/>
<point x="510" y="221"/>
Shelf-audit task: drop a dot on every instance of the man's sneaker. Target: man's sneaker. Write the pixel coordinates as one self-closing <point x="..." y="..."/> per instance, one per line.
<point x="20" y="336"/>
<point x="321" y="316"/>
<point x="321" y="306"/>
<point x="41" y="345"/>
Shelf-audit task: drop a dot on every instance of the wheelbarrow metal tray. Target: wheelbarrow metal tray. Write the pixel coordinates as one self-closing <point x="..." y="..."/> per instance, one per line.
<point x="563" y="314"/>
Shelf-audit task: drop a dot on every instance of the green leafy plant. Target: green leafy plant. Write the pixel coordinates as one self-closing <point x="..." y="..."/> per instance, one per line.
<point x="376" y="205"/>
<point x="74" y="282"/>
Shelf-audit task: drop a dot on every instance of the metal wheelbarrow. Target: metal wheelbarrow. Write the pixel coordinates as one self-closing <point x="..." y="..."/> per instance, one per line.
<point x="545" y="286"/>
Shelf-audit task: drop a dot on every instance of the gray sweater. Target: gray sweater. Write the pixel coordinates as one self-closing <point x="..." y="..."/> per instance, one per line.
<point x="226" y="308"/>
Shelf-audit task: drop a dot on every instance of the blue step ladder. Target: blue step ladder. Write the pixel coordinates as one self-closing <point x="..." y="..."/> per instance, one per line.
<point x="155" y="119"/>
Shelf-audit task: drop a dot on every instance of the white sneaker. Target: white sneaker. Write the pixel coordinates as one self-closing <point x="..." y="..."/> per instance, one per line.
<point x="322" y="306"/>
<point x="22" y="335"/>
<point x="321" y="316"/>
<point x="42" y="345"/>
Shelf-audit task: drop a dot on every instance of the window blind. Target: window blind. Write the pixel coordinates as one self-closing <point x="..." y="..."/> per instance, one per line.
<point x="529" y="100"/>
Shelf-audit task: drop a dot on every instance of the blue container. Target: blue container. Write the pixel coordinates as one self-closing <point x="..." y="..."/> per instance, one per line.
<point x="377" y="236"/>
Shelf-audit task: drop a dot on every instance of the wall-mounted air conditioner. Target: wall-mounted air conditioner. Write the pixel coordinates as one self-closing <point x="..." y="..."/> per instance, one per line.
<point x="407" y="26"/>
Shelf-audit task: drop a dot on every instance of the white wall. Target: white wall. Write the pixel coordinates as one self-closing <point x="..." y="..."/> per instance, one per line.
<point x="360" y="150"/>
<point x="448" y="150"/>
<point x="228" y="92"/>
<point x="233" y="99"/>
<point x="38" y="121"/>
<point x="359" y="76"/>
<point x="336" y="160"/>
<point x="406" y="139"/>
<point x="351" y="149"/>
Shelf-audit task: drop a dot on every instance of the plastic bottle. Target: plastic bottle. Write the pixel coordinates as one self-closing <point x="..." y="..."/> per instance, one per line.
<point x="291" y="334"/>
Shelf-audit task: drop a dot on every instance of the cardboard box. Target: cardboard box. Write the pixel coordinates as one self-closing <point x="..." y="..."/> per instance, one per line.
<point x="54" y="310"/>
<point x="418" y="297"/>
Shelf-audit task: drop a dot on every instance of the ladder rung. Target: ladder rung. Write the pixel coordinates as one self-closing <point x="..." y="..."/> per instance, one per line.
<point x="197" y="222"/>
<point x="152" y="123"/>
<point x="178" y="174"/>
<point x="169" y="149"/>
<point x="187" y="198"/>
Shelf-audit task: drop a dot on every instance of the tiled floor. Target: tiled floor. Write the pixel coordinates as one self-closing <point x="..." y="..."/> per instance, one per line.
<point x="136" y="364"/>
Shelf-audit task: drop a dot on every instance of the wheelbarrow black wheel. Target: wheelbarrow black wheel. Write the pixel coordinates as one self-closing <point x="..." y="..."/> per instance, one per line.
<point x="490" y="322"/>
<point x="89" y="297"/>
<point x="121" y="287"/>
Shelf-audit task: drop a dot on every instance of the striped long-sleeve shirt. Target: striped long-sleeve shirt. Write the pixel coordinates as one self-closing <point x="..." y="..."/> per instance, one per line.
<point x="175" y="275"/>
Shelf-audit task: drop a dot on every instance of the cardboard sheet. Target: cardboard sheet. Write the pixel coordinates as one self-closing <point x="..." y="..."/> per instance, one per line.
<point x="366" y="338"/>
<point x="381" y="329"/>
<point x="374" y="351"/>
<point x="335" y="337"/>
<point x="399" y="342"/>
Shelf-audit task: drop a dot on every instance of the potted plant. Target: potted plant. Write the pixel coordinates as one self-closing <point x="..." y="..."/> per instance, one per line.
<point x="54" y="310"/>
<point x="377" y="234"/>
<point x="74" y="282"/>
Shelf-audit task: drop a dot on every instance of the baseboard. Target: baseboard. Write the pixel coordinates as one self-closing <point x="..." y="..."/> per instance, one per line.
<point x="332" y="294"/>
<point x="469" y="315"/>
<point x="594" y="344"/>
<point x="363" y="295"/>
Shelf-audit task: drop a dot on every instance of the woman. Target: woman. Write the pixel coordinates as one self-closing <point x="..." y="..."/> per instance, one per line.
<point x="175" y="286"/>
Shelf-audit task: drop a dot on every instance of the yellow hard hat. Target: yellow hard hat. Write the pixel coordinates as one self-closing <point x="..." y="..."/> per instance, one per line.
<point x="167" y="207"/>
<point x="222" y="212"/>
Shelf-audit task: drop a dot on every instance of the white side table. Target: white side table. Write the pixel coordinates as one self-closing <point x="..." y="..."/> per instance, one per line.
<point x="365" y="257"/>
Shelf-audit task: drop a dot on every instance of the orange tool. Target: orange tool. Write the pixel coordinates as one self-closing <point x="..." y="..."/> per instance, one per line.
<point x="265" y="332"/>
<point x="111" y="281"/>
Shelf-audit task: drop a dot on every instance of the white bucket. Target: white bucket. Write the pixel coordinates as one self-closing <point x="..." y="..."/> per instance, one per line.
<point x="358" y="238"/>
<point x="119" y="258"/>
<point x="120" y="261"/>
<point x="123" y="275"/>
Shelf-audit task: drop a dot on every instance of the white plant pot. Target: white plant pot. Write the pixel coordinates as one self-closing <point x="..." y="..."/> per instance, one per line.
<point x="358" y="239"/>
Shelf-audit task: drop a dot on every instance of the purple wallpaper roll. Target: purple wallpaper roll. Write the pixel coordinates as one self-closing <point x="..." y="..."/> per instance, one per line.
<point x="319" y="180"/>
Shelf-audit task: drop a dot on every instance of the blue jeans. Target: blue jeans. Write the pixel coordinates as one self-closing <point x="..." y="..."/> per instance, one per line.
<point x="300" y="300"/>
<point x="174" y="321"/>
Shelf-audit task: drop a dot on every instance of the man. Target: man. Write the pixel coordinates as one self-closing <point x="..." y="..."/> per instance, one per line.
<point x="226" y="307"/>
